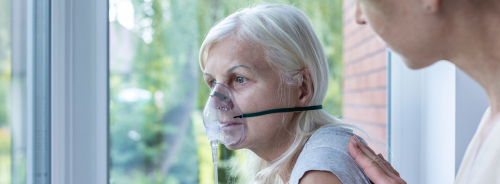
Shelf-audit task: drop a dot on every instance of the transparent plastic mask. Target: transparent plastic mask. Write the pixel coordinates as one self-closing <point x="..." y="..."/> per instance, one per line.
<point x="219" y="117"/>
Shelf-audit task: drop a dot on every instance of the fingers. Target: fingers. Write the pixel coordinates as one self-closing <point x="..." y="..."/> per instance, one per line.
<point x="366" y="162"/>
<point x="366" y="149"/>
<point x="388" y="165"/>
<point x="366" y="145"/>
<point x="376" y="168"/>
<point x="374" y="158"/>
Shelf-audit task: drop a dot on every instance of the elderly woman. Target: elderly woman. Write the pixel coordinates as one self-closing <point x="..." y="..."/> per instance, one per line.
<point x="267" y="62"/>
<point x="464" y="32"/>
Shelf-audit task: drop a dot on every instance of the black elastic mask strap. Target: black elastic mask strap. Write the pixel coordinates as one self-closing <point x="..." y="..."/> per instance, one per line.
<point x="279" y="111"/>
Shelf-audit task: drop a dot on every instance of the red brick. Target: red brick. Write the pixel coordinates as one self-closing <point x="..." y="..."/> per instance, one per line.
<point x="371" y="115"/>
<point x="377" y="98"/>
<point x="351" y="26"/>
<point x="349" y="10"/>
<point x="371" y="46"/>
<point x="376" y="62"/>
<point x="346" y="3"/>
<point x="358" y="37"/>
<point x="370" y="81"/>
<point x="365" y="69"/>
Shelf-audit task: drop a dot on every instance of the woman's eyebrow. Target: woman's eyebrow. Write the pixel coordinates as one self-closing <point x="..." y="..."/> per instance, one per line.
<point x="237" y="66"/>
<point x="207" y="74"/>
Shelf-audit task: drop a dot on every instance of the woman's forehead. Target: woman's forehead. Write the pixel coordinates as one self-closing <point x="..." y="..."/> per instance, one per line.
<point x="232" y="53"/>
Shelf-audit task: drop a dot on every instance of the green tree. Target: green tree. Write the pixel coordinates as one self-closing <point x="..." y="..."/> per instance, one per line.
<point x="5" y="75"/>
<point x="167" y="68"/>
<point x="154" y="140"/>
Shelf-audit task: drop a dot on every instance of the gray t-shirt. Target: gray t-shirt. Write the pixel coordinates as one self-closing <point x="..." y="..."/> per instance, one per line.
<point x="326" y="150"/>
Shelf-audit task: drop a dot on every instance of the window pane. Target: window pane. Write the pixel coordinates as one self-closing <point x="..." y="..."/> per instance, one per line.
<point x="157" y="93"/>
<point x="12" y="92"/>
<point x="5" y="75"/>
<point x="5" y="135"/>
<point x="153" y="91"/>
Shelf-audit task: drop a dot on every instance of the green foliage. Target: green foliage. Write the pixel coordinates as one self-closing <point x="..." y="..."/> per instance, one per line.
<point x="5" y="57"/>
<point x="5" y="75"/>
<point x="172" y="147"/>
<point x="152" y="139"/>
<point x="5" y="159"/>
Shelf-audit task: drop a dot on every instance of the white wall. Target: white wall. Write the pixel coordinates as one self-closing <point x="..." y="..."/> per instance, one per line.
<point x="437" y="128"/>
<point x="433" y="114"/>
<point x="404" y="119"/>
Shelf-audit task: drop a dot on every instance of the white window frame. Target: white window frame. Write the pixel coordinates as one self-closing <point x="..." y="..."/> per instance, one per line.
<point x="79" y="85"/>
<point x="38" y="91"/>
<point x="433" y="113"/>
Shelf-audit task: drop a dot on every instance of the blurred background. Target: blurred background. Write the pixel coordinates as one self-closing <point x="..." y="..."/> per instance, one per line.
<point x="421" y="121"/>
<point x="5" y="93"/>
<point x="157" y="92"/>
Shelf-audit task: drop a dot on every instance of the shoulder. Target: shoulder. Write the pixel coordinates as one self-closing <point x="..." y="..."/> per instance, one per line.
<point x="329" y="136"/>
<point x="333" y="130"/>
<point x="319" y="177"/>
<point x="326" y="152"/>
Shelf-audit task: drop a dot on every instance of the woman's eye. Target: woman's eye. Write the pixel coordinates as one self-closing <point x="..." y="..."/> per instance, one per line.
<point x="241" y="79"/>
<point x="214" y="83"/>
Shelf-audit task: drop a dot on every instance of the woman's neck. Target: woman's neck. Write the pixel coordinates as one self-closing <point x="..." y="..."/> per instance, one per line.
<point x="477" y="52"/>
<point x="273" y="149"/>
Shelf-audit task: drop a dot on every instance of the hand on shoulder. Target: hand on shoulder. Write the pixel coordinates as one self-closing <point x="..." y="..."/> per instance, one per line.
<point x="319" y="177"/>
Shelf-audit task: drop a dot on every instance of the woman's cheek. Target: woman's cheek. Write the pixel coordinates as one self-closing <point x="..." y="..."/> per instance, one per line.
<point x="244" y="103"/>
<point x="246" y="91"/>
<point x="245" y="86"/>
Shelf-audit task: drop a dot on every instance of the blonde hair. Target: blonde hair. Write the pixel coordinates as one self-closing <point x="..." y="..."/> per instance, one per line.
<point x="290" y="44"/>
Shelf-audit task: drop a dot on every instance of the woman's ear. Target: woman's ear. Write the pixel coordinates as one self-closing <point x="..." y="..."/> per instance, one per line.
<point x="306" y="88"/>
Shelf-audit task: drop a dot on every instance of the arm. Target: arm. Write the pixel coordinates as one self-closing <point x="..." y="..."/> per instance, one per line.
<point x="376" y="168"/>
<point x="319" y="177"/>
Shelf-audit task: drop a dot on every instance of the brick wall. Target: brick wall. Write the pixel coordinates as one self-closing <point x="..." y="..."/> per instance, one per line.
<point x="365" y="79"/>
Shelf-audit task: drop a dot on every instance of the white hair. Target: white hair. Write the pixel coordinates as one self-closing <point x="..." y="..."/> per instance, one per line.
<point x="290" y="44"/>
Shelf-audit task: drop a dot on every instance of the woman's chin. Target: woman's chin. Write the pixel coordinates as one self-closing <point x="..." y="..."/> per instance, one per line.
<point x="234" y="147"/>
<point x="417" y="64"/>
<point x="237" y="147"/>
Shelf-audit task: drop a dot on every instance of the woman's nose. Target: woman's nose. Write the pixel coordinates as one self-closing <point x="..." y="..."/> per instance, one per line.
<point x="223" y="101"/>
<point x="360" y="17"/>
<point x="225" y="108"/>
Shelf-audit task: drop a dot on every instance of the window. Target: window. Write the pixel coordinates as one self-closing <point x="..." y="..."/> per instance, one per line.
<point x="157" y="93"/>
<point x="5" y="93"/>
<point x="13" y="94"/>
<point x="54" y="121"/>
<point x="434" y="113"/>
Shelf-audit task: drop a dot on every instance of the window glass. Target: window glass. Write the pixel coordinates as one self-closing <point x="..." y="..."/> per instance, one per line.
<point x="157" y="93"/>
<point x="5" y="77"/>
<point x="13" y="92"/>
<point x="12" y="96"/>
